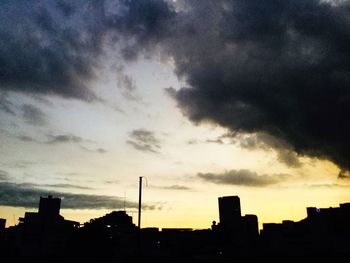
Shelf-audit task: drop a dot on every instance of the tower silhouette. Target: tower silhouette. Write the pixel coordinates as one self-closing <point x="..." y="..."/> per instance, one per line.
<point x="229" y="211"/>
<point x="49" y="207"/>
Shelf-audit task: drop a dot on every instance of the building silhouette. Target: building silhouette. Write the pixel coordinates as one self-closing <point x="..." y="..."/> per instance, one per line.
<point x="325" y="232"/>
<point x="112" y="236"/>
<point x="2" y="229"/>
<point x="116" y="220"/>
<point x="2" y="224"/>
<point x="229" y="211"/>
<point x="232" y="224"/>
<point x="49" y="207"/>
<point x="46" y="232"/>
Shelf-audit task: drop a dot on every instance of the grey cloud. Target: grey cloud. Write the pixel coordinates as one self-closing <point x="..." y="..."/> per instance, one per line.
<point x="101" y="150"/>
<point x="98" y="150"/>
<point x="62" y="186"/>
<point x="73" y="186"/>
<point x="20" y="164"/>
<point x="18" y="195"/>
<point x="6" y="105"/>
<point x="218" y="141"/>
<point x="192" y="141"/>
<point x="65" y="138"/>
<point x="144" y="140"/>
<point x="226" y="138"/>
<point x="288" y="157"/>
<point x="33" y="115"/>
<point x="112" y="182"/>
<point x="84" y="144"/>
<point x="223" y="139"/>
<point x="243" y="178"/>
<point x="127" y="86"/>
<point x="25" y="138"/>
<point x="173" y="187"/>
<point x="68" y="174"/>
<point x="177" y="187"/>
<point x="118" y="109"/>
<point x="3" y="175"/>
<point x="331" y="185"/>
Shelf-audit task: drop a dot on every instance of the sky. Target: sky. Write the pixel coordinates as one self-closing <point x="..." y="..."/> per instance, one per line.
<point x="201" y="98"/>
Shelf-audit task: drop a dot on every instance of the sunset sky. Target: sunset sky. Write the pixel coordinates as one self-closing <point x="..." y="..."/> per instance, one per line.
<point x="201" y="98"/>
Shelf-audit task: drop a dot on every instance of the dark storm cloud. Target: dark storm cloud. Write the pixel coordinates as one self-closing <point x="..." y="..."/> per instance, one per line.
<point x="244" y="178"/>
<point x="144" y="140"/>
<point x="54" y="47"/>
<point x="33" y="115"/>
<point x="278" y="67"/>
<point x="18" y="195"/>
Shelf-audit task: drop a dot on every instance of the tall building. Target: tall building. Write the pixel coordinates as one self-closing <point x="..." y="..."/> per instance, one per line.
<point x="49" y="206"/>
<point x="232" y="224"/>
<point x="229" y="210"/>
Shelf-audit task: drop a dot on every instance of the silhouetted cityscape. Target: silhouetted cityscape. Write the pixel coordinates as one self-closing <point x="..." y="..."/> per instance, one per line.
<point x="46" y="235"/>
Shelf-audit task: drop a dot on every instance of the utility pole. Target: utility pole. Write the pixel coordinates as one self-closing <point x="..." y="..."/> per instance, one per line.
<point x="140" y="193"/>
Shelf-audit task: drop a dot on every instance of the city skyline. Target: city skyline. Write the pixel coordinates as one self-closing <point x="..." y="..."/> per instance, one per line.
<point x="229" y="211"/>
<point x="47" y="235"/>
<point x="194" y="98"/>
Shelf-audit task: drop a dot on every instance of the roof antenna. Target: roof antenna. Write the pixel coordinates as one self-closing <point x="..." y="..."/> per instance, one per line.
<point x="140" y="198"/>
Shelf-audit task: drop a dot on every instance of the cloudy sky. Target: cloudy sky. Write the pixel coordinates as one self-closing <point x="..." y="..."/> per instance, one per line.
<point x="202" y="98"/>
